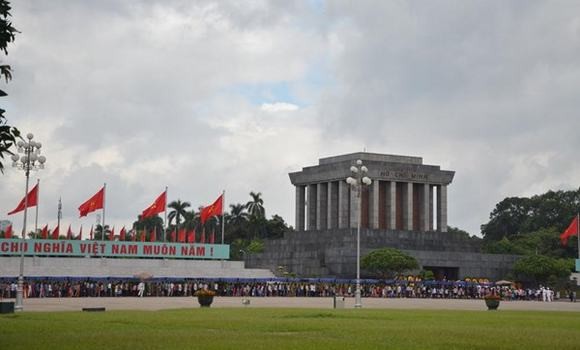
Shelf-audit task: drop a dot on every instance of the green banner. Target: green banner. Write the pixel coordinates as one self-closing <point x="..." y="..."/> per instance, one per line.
<point x="47" y="247"/>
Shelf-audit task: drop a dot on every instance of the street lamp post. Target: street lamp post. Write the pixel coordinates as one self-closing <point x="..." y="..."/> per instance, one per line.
<point x="357" y="181"/>
<point x="30" y="160"/>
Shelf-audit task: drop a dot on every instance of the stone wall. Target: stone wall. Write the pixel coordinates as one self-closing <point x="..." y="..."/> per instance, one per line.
<point x="109" y="267"/>
<point x="332" y="253"/>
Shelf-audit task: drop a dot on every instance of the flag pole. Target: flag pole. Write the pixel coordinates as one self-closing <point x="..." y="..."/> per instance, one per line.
<point x="165" y="219"/>
<point x="104" y="205"/>
<point x="223" y="216"/>
<point x="37" y="200"/>
<point x="59" y="213"/>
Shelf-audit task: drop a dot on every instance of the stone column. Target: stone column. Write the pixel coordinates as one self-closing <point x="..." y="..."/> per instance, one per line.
<point x="425" y="207"/>
<point x="408" y="206"/>
<point x="391" y="205"/>
<point x="321" y="206"/>
<point x="311" y="204"/>
<point x="431" y="190"/>
<point x="374" y="205"/>
<point x="354" y="215"/>
<point x="343" y="204"/>
<point x="300" y="207"/>
<point x="442" y="208"/>
<point x="332" y="204"/>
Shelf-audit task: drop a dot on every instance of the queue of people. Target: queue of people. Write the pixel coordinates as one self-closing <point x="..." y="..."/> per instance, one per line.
<point x="76" y="288"/>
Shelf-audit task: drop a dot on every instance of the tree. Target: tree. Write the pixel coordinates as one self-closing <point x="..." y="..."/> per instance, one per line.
<point x="388" y="262"/>
<point x="8" y="134"/>
<point x="276" y="227"/>
<point x="179" y="210"/>
<point x="503" y="246"/>
<point x="237" y="222"/>
<point x="213" y="225"/>
<point x="255" y="246"/>
<point x="255" y="207"/>
<point x="99" y="232"/>
<point x="238" y="215"/>
<point x="151" y="224"/>
<point x="541" y="269"/>
<point x="461" y="233"/>
<point x="191" y="220"/>
<point x="515" y="216"/>
<point x="427" y="275"/>
<point x="507" y="218"/>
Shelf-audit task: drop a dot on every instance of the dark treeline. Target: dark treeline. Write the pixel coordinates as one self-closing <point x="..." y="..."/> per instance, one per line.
<point x="521" y="225"/>
<point x="531" y="227"/>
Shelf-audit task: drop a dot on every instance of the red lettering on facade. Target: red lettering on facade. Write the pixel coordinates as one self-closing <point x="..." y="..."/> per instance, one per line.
<point x="200" y="251"/>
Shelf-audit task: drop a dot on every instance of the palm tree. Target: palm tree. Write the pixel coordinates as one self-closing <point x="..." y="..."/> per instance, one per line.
<point x="179" y="210"/>
<point x="151" y="224"/>
<point x="255" y="207"/>
<point x="237" y="222"/>
<point x="99" y="232"/>
<point x="238" y="214"/>
<point x="190" y="220"/>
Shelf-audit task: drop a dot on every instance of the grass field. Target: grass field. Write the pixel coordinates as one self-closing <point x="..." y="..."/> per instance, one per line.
<point x="274" y="329"/>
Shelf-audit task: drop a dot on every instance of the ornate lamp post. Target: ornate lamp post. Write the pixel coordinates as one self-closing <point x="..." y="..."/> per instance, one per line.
<point x="356" y="182"/>
<point x="30" y="160"/>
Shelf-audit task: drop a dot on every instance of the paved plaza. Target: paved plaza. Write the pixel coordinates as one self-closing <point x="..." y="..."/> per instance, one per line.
<point x="153" y="303"/>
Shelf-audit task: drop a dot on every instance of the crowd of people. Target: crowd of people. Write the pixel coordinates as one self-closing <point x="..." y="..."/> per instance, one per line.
<point x="62" y="288"/>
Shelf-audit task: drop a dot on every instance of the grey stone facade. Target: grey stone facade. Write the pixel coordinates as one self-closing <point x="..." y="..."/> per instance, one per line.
<point x="401" y="196"/>
<point x="332" y="253"/>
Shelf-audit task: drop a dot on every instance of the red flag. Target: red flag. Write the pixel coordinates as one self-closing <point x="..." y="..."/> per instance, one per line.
<point x="122" y="234"/>
<point x="91" y="234"/>
<point x="32" y="200"/>
<point x="212" y="237"/>
<point x="69" y="233"/>
<point x="213" y="210"/>
<point x="44" y="232"/>
<point x="173" y="236"/>
<point x="80" y="236"/>
<point x="181" y="236"/>
<point x="191" y="236"/>
<point x="202" y="238"/>
<point x="8" y="232"/>
<point x="55" y="233"/>
<point x="157" y="207"/>
<point x="94" y="203"/>
<point x="572" y="230"/>
<point x="153" y="235"/>
<point x="112" y="234"/>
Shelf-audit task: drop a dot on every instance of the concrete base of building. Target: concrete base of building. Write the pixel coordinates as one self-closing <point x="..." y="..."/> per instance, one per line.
<point x="332" y="253"/>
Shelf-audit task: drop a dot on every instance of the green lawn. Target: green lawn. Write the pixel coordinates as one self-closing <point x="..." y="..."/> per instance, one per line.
<point x="274" y="329"/>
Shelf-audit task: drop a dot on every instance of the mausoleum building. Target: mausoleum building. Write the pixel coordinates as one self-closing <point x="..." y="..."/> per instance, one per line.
<point x="401" y="196"/>
<point x="404" y="207"/>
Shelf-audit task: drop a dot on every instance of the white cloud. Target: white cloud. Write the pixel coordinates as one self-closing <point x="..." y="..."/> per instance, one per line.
<point x="139" y="95"/>
<point x="279" y="107"/>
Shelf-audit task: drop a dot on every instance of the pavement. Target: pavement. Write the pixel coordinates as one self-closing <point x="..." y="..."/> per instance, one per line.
<point x="163" y="303"/>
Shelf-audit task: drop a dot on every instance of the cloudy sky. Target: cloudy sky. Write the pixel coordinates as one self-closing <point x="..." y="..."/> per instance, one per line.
<point x="202" y="96"/>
